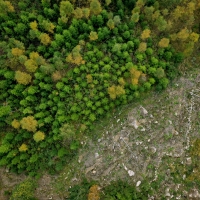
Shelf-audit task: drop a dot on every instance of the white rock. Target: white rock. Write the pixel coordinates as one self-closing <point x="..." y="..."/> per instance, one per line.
<point x="131" y="173"/>
<point x="99" y="140"/>
<point x="153" y="149"/>
<point x="188" y="161"/>
<point x="143" y="129"/>
<point x="118" y="120"/>
<point x="144" y="111"/>
<point x="96" y="155"/>
<point x="138" y="183"/>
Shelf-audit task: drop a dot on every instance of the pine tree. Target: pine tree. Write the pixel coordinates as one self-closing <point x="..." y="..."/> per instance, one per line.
<point x="29" y="123"/>
<point x="22" y="77"/>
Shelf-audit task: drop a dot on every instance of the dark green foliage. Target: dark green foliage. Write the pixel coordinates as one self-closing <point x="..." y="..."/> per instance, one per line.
<point x="123" y="191"/>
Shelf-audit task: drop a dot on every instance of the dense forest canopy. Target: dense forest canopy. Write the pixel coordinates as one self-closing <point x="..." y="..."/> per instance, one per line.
<point x="65" y="64"/>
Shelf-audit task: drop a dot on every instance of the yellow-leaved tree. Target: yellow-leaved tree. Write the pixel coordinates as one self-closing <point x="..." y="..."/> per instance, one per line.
<point x="145" y="34"/>
<point x="23" y="147"/>
<point x="17" y="51"/>
<point x="15" y="124"/>
<point x="22" y="77"/>
<point x="34" y="25"/>
<point x="95" y="7"/>
<point x="29" y="123"/>
<point x="93" y="35"/>
<point x="38" y="136"/>
<point x="115" y="90"/>
<point x="45" y="38"/>
<point x="142" y="47"/>
<point x="164" y="42"/>
<point x="135" y="75"/>
<point x="94" y="193"/>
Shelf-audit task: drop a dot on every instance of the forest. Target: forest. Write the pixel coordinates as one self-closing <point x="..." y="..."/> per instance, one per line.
<point x="65" y="64"/>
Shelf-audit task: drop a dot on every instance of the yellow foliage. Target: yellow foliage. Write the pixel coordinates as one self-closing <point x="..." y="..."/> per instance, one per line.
<point x="45" y="39"/>
<point x="34" y="25"/>
<point x="140" y="3"/>
<point x="86" y="12"/>
<point x="10" y="7"/>
<point x="194" y="37"/>
<point x="29" y="123"/>
<point x="15" y="124"/>
<point x="108" y="2"/>
<point x="115" y="91"/>
<point x="121" y="81"/>
<point x="78" y="13"/>
<point x="17" y="51"/>
<point x="111" y="24"/>
<point x="178" y="12"/>
<point x="134" y="81"/>
<point x="31" y="65"/>
<point x="112" y="92"/>
<point x="135" y="75"/>
<point x="38" y="136"/>
<point x="75" y="56"/>
<point x="34" y="55"/>
<point x="119" y="90"/>
<point x="89" y="78"/>
<point x="94" y="193"/>
<point x="183" y="34"/>
<point x="95" y="7"/>
<point x="142" y="47"/>
<point x="164" y="42"/>
<point x="22" y="77"/>
<point x="135" y="17"/>
<point x="23" y="147"/>
<point x="93" y="35"/>
<point x="145" y="34"/>
<point x="155" y="15"/>
<point x="56" y="76"/>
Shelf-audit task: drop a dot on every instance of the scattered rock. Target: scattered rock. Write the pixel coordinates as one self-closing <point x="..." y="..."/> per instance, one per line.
<point x="134" y="123"/>
<point x="188" y="161"/>
<point x="131" y="173"/>
<point x="153" y="150"/>
<point x="144" y="111"/>
<point x="138" y="183"/>
<point x="96" y="155"/>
